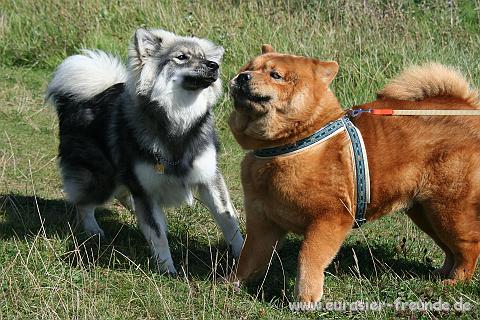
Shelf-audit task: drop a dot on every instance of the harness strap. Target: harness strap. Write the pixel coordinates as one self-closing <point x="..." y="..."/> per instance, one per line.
<point x="362" y="174"/>
<point x="321" y="135"/>
<point x="359" y="158"/>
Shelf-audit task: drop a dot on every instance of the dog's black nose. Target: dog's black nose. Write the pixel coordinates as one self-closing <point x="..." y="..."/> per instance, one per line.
<point x="244" y="77"/>
<point x="212" y="65"/>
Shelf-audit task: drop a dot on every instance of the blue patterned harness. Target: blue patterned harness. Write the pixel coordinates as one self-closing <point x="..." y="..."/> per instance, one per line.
<point x="362" y="178"/>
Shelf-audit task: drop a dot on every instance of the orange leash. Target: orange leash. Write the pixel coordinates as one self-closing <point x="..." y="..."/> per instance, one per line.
<point x="431" y="112"/>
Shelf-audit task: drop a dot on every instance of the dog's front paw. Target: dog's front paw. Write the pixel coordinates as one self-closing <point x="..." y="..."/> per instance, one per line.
<point x="236" y="285"/>
<point x="91" y="228"/>
<point x="441" y="272"/>
<point x="166" y="267"/>
<point x="310" y="297"/>
<point x="309" y="292"/>
<point x="450" y="282"/>
<point x="95" y="232"/>
<point x="231" y="280"/>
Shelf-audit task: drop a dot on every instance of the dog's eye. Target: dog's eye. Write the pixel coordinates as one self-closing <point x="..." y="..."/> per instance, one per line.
<point x="182" y="57"/>
<point x="275" y="75"/>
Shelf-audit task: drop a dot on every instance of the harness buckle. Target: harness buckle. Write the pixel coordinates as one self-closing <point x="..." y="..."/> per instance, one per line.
<point x="356" y="112"/>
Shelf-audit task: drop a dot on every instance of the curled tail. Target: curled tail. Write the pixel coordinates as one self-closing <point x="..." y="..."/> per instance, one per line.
<point x="430" y="80"/>
<point x="81" y="77"/>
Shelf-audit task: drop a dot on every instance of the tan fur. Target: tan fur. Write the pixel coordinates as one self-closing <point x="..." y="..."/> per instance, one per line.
<point x="427" y="166"/>
<point x="428" y="81"/>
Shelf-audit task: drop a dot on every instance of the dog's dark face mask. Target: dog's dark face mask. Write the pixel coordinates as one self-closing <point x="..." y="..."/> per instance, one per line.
<point x="195" y="71"/>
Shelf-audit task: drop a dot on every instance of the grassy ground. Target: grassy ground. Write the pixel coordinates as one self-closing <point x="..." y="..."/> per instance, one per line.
<point x="46" y="272"/>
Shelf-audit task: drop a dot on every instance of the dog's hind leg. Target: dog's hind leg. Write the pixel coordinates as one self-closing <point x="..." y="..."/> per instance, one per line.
<point x="215" y="196"/>
<point x="88" y="178"/>
<point x="466" y="255"/>
<point x="86" y="218"/>
<point x="151" y="220"/>
<point x="417" y="214"/>
<point x="464" y="241"/>
<point x="456" y="224"/>
<point x="84" y="190"/>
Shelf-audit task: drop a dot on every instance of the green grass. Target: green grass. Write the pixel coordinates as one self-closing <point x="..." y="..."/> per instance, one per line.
<point x="47" y="272"/>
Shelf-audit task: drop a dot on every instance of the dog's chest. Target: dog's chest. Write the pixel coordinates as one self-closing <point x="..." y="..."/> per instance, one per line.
<point x="293" y="190"/>
<point x="170" y="190"/>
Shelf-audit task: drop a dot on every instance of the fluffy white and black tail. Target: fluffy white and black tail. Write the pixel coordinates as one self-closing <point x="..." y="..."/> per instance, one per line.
<point x="81" y="77"/>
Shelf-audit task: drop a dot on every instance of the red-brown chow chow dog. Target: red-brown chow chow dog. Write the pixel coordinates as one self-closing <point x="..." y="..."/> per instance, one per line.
<point x="428" y="166"/>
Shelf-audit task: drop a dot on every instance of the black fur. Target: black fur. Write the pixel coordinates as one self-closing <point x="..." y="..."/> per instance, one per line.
<point x="83" y="151"/>
<point x="99" y="145"/>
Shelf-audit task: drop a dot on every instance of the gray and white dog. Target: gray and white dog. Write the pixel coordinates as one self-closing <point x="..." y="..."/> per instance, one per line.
<point x="143" y="134"/>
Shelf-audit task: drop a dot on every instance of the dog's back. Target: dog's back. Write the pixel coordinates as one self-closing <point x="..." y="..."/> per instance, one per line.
<point x="428" y="87"/>
<point x="433" y="161"/>
<point x="434" y="144"/>
<point x="433" y="86"/>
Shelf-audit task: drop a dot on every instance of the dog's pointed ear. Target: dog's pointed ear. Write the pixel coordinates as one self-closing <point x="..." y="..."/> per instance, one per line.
<point x="267" y="48"/>
<point x="146" y="43"/>
<point x="327" y="70"/>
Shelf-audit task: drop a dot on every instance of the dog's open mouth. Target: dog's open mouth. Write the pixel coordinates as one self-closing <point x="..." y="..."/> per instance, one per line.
<point x="197" y="82"/>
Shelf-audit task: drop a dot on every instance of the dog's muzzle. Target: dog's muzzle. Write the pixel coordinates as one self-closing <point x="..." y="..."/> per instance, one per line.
<point x="243" y="78"/>
<point x="240" y="89"/>
<point x="239" y="86"/>
<point x="202" y="76"/>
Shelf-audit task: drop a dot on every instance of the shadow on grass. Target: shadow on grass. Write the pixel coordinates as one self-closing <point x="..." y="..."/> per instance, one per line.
<point x="22" y="216"/>
<point x="125" y="245"/>
<point x="372" y="263"/>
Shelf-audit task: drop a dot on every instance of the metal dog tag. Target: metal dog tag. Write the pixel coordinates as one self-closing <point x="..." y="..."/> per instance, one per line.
<point x="159" y="168"/>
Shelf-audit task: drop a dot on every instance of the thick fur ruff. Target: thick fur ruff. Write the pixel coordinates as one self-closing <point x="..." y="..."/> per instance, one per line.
<point x="143" y="134"/>
<point x="427" y="166"/>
